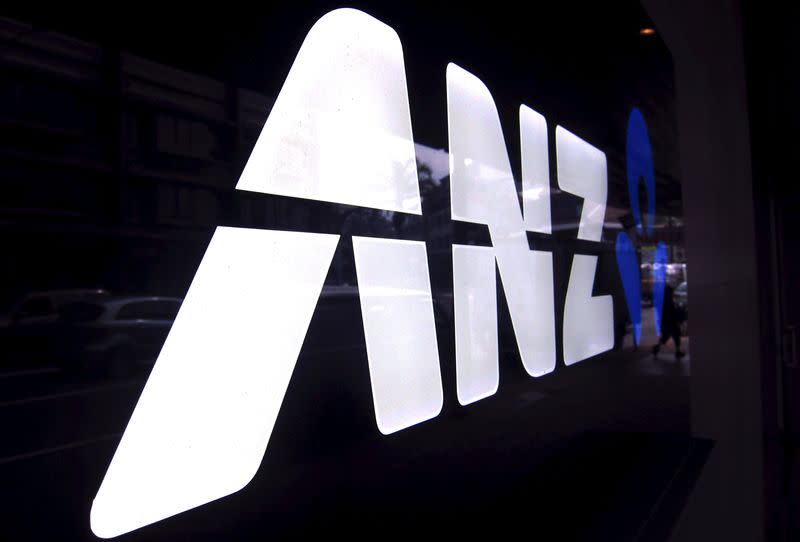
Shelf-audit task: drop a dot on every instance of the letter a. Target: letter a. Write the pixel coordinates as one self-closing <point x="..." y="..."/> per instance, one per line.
<point x="205" y="416"/>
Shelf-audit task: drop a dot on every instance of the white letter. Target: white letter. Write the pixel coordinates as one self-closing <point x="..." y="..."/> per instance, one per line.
<point x="475" y="306"/>
<point x="482" y="191"/>
<point x="588" y="321"/>
<point x="397" y="308"/>
<point x="340" y="129"/>
<point x="205" y="416"/>
<point x="582" y="171"/>
<point x="535" y="170"/>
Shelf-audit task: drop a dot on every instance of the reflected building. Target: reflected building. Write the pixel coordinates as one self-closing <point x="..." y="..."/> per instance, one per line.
<point x="131" y="212"/>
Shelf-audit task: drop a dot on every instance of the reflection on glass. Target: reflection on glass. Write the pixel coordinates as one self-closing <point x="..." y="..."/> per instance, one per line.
<point x="640" y="168"/>
<point x="169" y="147"/>
<point x="659" y="282"/>
<point x="628" y="263"/>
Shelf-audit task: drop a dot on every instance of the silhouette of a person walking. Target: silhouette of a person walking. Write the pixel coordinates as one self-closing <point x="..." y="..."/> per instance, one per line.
<point x="670" y="324"/>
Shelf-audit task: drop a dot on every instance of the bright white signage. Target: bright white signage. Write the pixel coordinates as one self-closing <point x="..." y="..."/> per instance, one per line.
<point x="475" y="308"/>
<point x="588" y="320"/>
<point x="396" y="306"/>
<point x="205" y="416"/>
<point x="344" y="102"/>
<point x="482" y="191"/>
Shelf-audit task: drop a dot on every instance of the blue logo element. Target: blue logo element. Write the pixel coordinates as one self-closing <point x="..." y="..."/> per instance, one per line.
<point x="640" y="168"/>
<point x="659" y="281"/>
<point x="628" y="265"/>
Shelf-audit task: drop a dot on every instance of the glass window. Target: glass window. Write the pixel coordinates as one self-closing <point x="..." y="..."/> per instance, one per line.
<point x="427" y="255"/>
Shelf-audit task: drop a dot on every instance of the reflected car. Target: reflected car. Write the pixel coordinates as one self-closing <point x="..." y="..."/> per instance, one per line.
<point x="118" y="337"/>
<point x="28" y="330"/>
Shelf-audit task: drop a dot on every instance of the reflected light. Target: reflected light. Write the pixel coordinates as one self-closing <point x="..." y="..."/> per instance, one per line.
<point x="533" y="193"/>
<point x="659" y="282"/>
<point x="631" y="281"/>
<point x="639" y="158"/>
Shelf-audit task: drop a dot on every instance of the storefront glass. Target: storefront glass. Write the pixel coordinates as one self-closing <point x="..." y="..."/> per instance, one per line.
<point x="426" y="294"/>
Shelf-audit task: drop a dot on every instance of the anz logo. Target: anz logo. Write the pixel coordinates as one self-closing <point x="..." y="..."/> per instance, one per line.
<point x="201" y="426"/>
